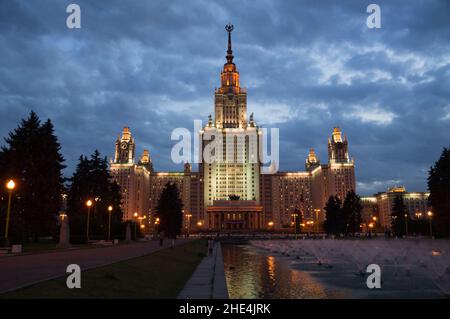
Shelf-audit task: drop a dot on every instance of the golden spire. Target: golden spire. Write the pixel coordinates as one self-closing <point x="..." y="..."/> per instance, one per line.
<point x="229" y="75"/>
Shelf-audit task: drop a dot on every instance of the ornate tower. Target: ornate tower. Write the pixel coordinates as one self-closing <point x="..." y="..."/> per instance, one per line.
<point x="341" y="169"/>
<point x="312" y="161"/>
<point x="230" y="99"/>
<point x="125" y="148"/>
<point x="338" y="147"/>
<point x="146" y="161"/>
<point x="133" y="179"/>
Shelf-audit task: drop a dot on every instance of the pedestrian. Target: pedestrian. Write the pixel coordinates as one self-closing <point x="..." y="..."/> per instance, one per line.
<point x="210" y="246"/>
<point x="161" y="239"/>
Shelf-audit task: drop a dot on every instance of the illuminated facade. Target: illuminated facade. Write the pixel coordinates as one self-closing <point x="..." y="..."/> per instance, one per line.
<point x="415" y="202"/>
<point x="141" y="186"/>
<point x="133" y="178"/>
<point x="229" y="192"/>
<point x="285" y="193"/>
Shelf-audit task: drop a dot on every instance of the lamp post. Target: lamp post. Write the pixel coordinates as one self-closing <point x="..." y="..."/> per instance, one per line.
<point x="199" y="225"/>
<point x="10" y="186"/>
<point x="430" y="215"/>
<point x="155" y="227"/>
<point x="374" y="222"/>
<point x="295" y="215"/>
<point x="317" y="210"/>
<point x="135" y="222"/>
<point x="370" y="229"/>
<point x="188" y="226"/>
<point x="110" y="209"/>
<point x="141" y="226"/>
<point x="406" y="224"/>
<point x="88" y="204"/>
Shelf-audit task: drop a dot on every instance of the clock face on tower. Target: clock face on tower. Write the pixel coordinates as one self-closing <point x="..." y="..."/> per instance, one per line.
<point x="124" y="146"/>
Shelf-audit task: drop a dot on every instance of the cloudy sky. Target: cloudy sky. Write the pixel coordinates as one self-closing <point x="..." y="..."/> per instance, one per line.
<point x="308" y="66"/>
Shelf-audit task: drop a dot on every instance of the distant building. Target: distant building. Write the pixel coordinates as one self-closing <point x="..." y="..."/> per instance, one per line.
<point x="370" y="212"/>
<point x="133" y="178"/>
<point x="381" y="204"/>
<point x="141" y="186"/>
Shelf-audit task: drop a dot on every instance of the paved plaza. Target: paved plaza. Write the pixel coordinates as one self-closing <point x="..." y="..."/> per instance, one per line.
<point x="24" y="270"/>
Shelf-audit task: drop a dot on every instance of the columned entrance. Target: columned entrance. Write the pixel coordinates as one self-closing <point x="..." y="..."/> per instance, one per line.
<point x="234" y="215"/>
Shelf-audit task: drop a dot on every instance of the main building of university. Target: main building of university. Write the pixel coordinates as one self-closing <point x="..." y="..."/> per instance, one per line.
<point x="234" y="195"/>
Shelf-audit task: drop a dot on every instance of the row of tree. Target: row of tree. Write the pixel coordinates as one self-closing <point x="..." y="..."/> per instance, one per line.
<point x="439" y="187"/>
<point x="401" y="222"/>
<point x="343" y="218"/>
<point x="32" y="157"/>
<point x="92" y="181"/>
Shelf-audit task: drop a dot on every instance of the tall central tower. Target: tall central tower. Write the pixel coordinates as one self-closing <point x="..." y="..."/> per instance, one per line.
<point x="235" y="171"/>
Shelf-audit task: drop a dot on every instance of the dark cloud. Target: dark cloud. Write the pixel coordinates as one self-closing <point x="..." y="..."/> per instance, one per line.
<point x="308" y="66"/>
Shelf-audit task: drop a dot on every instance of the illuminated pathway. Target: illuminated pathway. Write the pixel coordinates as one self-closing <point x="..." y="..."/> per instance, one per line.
<point x="24" y="270"/>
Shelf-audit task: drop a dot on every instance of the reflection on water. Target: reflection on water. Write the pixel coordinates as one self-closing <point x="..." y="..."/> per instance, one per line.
<point x="251" y="274"/>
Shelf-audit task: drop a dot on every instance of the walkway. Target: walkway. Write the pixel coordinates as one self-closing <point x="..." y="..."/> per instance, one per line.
<point x="24" y="270"/>
<point x="208" y="280"/>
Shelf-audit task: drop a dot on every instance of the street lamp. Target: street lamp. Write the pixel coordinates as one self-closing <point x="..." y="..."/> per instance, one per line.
<point x="430" y="215"/>
<point x="317" y="211"/>
<point x="295" y="215"/>
<point x="370" y="229"/>
<point x="135" y="222"/>
<point x="188" y="226"/>
<point x="406" y="224"/>
<point x="88" y="204"/>
<point x="110" y="209"/>
<point x="140" y="221"/>
<point x="10" y="186"/>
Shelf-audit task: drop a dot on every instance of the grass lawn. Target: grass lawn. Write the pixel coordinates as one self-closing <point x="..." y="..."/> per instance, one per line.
<point x="42" y="245"/>
<point x="161" y="274"/>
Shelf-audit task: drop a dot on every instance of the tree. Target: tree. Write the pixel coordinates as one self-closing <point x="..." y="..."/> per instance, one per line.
<point x="333" y="213"/>
<point x="398" y="219"/>
<point x="170" y="211"/>
<point x="92" y="181"/>
<point x="32" y="157"/>
<point x="351" y="211"/>
<point x="439" y="187"/>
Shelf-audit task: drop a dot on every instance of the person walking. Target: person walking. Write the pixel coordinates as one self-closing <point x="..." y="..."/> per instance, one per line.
<point x="210" y="246"/>
<point x="161" y="239"/>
